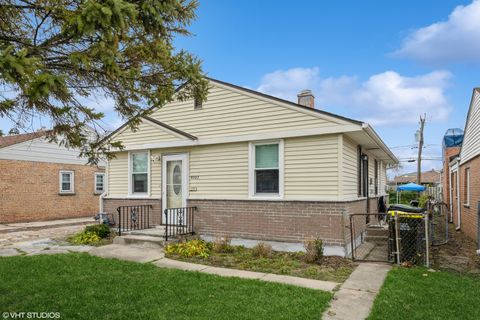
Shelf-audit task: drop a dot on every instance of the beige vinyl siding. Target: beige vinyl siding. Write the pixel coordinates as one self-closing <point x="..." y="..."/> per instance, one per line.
<point x="145" y="133"/>
<point x="383" y="178"/>
<point x="215" y="171"/>
<point x="117" y="173"/>
<point x="311" y="168"/>
<point x="230" y="113"/>
<point x="471" y="140"/>
<point x="350" y="169"/>
<point x="222" y="171"/>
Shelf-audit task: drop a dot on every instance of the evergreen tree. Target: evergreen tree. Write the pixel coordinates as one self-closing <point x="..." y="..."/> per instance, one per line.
<point x="54" y="52"/>
<point x="13" y="131"/>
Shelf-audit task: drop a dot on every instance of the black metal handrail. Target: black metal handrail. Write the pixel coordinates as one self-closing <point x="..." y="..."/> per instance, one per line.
<point x="133" y="217"/>
<point x="178" y="221"/>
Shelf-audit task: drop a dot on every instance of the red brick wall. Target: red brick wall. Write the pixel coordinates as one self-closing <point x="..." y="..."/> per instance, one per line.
<point x="469" y="219"/>
<point x="289" y="221"/>
<point x="447" y="153"/>
<point x="29" y="191"/>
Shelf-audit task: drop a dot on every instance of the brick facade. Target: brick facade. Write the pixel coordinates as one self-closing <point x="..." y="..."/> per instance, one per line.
<point x="29" y="191"/>
<point x="469" y="215"/>
<point x="284" y="221"/>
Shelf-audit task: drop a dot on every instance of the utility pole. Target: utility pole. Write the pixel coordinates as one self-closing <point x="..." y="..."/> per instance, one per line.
<point x="420" y="148"/>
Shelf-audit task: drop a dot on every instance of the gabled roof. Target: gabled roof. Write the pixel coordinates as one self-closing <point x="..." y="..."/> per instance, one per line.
<point x="466" y="133"/>
<point x="6" y="141"/>
<point x="368" y="136"/>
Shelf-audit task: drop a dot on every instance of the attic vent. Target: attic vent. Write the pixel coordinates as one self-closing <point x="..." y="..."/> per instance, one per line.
<point x="197" y="104"/>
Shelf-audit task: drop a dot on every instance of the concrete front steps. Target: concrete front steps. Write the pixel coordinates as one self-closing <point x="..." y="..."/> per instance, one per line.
<point x="376" y="235"/>
<point x="148" y="238"/>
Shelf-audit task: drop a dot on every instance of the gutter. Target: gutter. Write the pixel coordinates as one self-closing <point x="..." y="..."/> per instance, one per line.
<point x="372" y="134"/>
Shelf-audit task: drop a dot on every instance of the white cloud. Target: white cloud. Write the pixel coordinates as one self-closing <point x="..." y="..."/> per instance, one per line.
<point x="454" y="40"/>
<point x="382" y="99"/>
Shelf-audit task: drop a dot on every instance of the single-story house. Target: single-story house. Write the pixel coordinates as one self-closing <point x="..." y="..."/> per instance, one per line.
<point x="464" y="184"/>
<point x="429" y="178"/>
<point x="41" y="180"/>
<point x="256" y="167"/>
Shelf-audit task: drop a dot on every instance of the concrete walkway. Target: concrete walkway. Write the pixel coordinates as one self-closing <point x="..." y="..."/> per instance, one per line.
<point x="355" y="298"/>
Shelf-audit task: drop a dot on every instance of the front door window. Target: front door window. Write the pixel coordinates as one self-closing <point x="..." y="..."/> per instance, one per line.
<point x="174" y="184"/>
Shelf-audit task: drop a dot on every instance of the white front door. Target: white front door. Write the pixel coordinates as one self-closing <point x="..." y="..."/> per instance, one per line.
<point x="174" y="181"/>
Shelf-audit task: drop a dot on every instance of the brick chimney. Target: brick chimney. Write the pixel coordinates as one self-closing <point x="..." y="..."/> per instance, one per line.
<point x="306" y="98"/>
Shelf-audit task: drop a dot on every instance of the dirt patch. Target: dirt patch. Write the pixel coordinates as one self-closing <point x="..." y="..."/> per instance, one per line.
<point x="331" y="268"/>
<point x="458" y="254"/>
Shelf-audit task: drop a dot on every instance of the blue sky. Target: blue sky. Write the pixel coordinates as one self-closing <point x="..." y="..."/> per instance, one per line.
<point x="385" y="62"/>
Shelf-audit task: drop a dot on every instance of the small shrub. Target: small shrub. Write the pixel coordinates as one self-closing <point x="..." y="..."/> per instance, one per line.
<point x="101" y="230"/>
<point x="313" y="250"/>
<point x="192" y="248"/>
<point x="223" y="245"/>
<point x="86" y="237"/>
<point x="262" y="249"/>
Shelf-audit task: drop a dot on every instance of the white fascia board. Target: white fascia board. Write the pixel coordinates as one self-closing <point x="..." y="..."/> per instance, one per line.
<point x="379" y="142"/>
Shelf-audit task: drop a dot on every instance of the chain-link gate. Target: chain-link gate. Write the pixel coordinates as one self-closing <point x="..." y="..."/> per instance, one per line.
<point x="369" y="237"/>
<point x="396" y="237"/>
<point x="439" y="214"/>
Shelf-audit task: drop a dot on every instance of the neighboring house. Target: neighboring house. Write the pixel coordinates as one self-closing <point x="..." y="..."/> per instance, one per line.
<point x="429" y="178"/>
<point x="451" y="145"/>
<point x="256" y="167"/>
<point x="40" y="180"/>
<point x="464" y="170"/>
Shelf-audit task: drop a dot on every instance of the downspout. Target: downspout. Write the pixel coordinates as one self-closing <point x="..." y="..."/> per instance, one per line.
<point x="458" y="198"/>
<point x="450" y="192"/>
<point x="100" y="201"/>
<point x="478" y="228"/>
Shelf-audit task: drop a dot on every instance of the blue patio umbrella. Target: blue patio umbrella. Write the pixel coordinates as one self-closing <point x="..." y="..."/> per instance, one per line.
<point x="409" y="187"/>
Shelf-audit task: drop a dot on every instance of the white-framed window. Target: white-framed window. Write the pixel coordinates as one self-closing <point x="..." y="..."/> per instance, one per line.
<point x="467" y="187"/>
<point x="266" y="169"/>
<point x="139" y="169"/>
<point x="99" y="182"/>
<point x="66" y="181"/>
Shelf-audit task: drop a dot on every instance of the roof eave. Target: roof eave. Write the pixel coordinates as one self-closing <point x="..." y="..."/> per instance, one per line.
<point x="375" y="137"/>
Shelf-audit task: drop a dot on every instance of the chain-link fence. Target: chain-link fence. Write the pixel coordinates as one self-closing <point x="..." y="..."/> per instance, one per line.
<point x="408" y="240"/>
<point x="369" y="237"/>
<point x="439" y="214"/>
<point x="396" y="237"/>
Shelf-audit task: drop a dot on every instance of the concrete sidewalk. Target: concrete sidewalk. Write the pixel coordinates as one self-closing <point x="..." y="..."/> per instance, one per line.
<point x="355" y="298"/>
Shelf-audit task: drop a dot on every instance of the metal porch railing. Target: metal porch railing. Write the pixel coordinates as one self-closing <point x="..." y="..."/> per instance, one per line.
<point x="179" y="221"/>
<point x="133" y="218"/>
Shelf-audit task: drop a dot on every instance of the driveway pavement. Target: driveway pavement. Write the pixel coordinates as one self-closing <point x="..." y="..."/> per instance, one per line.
<point x="29" y="231"/>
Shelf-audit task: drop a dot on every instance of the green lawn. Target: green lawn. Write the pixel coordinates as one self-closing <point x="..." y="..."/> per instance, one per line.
<point x="418" y="294"/>
<point x="80" y="286"/>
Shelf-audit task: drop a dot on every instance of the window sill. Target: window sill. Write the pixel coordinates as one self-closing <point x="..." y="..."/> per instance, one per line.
<point x="139" y="196"/>
<point x="66" y="193"/>
<point x="466" y="205"/>
<point x="266" y="197"/>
